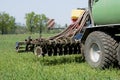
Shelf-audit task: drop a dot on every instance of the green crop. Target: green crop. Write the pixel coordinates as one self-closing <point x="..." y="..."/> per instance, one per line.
<point x="26" y="66"/>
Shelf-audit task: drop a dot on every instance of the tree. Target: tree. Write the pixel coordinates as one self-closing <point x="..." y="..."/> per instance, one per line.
<point x="20" y="28"/>
<point x="7" y="23"/>
<point x="30" y="21"/>
<point x="34" y="21"/>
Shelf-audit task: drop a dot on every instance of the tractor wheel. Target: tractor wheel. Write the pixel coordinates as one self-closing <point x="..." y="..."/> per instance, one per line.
<point x="118" y="54"/>
<point x="38" y="51"/>
<point x="100" y="50"/>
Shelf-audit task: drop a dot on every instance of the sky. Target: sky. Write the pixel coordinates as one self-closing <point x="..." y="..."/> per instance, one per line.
<point x="60" y="10"/>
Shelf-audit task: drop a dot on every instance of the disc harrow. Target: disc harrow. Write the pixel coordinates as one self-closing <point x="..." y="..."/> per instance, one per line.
<point x="66" y="42"/>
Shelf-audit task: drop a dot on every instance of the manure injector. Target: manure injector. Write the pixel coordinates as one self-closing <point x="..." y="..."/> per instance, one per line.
<point x="95" y="34"/>
<point x="66" y="42"/>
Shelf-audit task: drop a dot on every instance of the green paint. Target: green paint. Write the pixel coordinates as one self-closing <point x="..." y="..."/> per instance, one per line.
<point x="106" y="12"/>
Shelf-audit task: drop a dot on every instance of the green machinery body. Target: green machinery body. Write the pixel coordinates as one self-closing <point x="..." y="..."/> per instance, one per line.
<point x="106" y="12"/>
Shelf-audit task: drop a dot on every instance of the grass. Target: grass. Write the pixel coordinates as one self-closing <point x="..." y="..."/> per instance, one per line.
<point x="26" y="66"/>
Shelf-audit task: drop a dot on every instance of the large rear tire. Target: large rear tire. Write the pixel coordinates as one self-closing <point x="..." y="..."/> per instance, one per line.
<point x="100" y="50"/>
<point x="118" y="54"/>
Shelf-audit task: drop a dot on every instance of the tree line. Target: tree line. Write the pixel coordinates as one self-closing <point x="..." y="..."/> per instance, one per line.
<point x="34" y="23"/>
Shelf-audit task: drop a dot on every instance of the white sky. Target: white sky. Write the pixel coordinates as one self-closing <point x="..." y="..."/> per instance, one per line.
<point x="60" y="10"/>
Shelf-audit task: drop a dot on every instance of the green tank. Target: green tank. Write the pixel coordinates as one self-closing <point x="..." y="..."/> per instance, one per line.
<point x="106" y="12"/>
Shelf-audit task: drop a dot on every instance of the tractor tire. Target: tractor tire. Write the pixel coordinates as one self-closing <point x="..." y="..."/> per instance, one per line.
<point x="118" y="54"/>
<point x="38" y="51"/>
<point x="100" y="50"/>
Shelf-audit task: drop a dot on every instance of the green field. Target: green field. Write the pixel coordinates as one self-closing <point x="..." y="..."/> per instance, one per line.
<point x="26" y="66"/>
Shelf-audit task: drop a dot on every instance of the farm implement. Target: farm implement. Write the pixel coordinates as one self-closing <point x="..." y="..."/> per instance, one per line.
<point x="95" y="34"/>
<point x="66" y="42"/>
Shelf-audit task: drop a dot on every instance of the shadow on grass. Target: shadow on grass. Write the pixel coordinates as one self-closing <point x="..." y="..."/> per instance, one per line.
<point x="56" y="60"/>
<point x="23" y="52"/>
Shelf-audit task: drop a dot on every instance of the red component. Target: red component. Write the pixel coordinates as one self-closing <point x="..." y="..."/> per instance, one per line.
<point x="49" y="21"/>
<point x="51" y="24"/>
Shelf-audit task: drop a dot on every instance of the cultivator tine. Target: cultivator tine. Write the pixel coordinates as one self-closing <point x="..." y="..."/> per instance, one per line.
<point x="66" y="50"/>
<point x="55" y="51"/>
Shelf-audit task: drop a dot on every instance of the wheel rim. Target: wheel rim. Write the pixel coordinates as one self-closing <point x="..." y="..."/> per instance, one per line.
<point x="38" y="51"/>
<point x="95" y="52"/>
